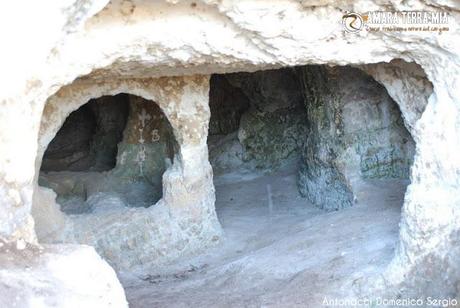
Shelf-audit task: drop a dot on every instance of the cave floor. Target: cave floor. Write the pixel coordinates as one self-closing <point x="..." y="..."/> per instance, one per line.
<point x="294" y="256"/>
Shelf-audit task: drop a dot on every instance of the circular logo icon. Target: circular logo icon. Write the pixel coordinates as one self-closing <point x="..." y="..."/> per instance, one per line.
<point x="352" y="22"/>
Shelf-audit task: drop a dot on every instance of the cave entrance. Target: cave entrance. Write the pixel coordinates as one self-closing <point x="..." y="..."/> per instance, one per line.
<point x="110" y="153"/>
<point x="313" y="152"/>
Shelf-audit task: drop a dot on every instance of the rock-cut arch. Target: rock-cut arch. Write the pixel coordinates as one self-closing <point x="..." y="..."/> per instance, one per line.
<point x="187" y="183"/>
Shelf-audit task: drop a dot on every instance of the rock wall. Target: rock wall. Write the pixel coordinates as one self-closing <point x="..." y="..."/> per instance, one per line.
<point x="88" y="138"/>
<point x="111" y="116"/>
<point x="407" y="84"/>
<point x="131" y="137"/>
<point x="343" y="122"/>
<point x="227" y="103"/>
<point x="61" y="276"/>
<point x="147" y="149"/>
<point x="70" y="148"/>
<point x="355" y="132"/>
<point x="105" y="41"/>
<point x="183" y="221"/>
<point x="271" y="131"/>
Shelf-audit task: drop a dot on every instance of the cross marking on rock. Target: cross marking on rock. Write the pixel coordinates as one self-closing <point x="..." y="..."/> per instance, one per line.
<point x="144" y="116"/>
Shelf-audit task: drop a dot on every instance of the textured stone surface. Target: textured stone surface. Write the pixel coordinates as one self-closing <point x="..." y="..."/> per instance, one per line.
<point x="406" y="83"/>
<point x="64" y="276"/>
<point x="355" y="132"/>
<point x="147" y="149"/>
<point x="272" y="129"/>
<point x="227" y="103"/>
<point x="70" y="149"/>
<point x="109" y="41"/>
<point x="88" y="138"/>
<point x="184" y="220"/>
<point x="111" y="113"/>
<point x="226" y="153"/>
<point x="134" y="134"/>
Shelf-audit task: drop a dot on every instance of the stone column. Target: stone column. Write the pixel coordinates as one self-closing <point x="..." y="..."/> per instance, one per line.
<point x="429" y="253"/>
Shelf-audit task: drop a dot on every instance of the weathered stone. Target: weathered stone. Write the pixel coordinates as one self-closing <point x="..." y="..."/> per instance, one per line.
<point x="57" y="276"/>
<point x="127" y="236"/>
<point x="355" y="132"/>
<point x="225" y="153"/>
<point x="114" y="42"/>
<point x="227" y="104"/>
<point x="88" y="138"/>
<point x="147" y="149"/>
<point x="272" y="131"/>
<point x="71" y="148"/>
<point x="111" y="113"/>
<point x="406" y="83"/>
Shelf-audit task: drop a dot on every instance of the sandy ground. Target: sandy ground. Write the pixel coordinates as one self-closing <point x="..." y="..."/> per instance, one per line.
<point x="294" y="256"/>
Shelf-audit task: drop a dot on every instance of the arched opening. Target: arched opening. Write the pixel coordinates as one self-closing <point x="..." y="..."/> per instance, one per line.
<point x="287" y="146"/>
<point x="114" y="44"/>
<point x="110" y="153"/>
<point x="311" y="166"/>
<point x="162" y="149"/>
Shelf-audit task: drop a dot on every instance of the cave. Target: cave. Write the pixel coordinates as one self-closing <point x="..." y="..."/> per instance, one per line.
<point x="317" y="154"/>
<point x="307" y="153"/>
<point x="230" y="154"/>
<point x="110" y="153"/>
<point x="334" y="128"/>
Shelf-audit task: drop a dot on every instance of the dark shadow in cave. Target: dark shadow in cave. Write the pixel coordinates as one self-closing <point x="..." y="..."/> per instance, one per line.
<point x="289" y="145"/>
<point x="88" y="139"/>
<point x="334" y="127"/>
<point x="109" y="154"/>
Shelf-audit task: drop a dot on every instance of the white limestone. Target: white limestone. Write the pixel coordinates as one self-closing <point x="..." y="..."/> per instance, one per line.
<point x="58" y="276"/>
<point x="50" y="45"/>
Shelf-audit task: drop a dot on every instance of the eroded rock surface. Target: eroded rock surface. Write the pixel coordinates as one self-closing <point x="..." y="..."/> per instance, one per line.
<point x="270" y="131"/>
<point x="355" y="132"/>
<point x="227" y="104"/>
<point x="147" y="148"/>
<point x="89" y="137"/>
<point x="183" y="221"/>
<point x="113" y="42"/>
<point x="57" y="276"/>
<point x="131" y="138"/>
<point x="341" y="121"/>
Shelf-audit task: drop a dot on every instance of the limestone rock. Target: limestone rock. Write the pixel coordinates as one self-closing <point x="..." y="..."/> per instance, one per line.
<point x="227" y="104"/>
<point x="111" y="48"/>
<point x="57" y="276"/>
<point x="148" y="146"/>
<point x="89" y="137"/>
<point x="355" y="132"/>
<point x="272" y="131"/>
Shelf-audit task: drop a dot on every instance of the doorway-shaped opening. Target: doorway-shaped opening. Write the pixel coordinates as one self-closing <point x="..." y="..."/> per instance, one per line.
<point x="314" y="157"/>
<point x="109" y="154"/>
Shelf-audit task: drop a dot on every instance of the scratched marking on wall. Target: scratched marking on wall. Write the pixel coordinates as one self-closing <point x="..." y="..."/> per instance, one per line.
<point x="141" y="156"/>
